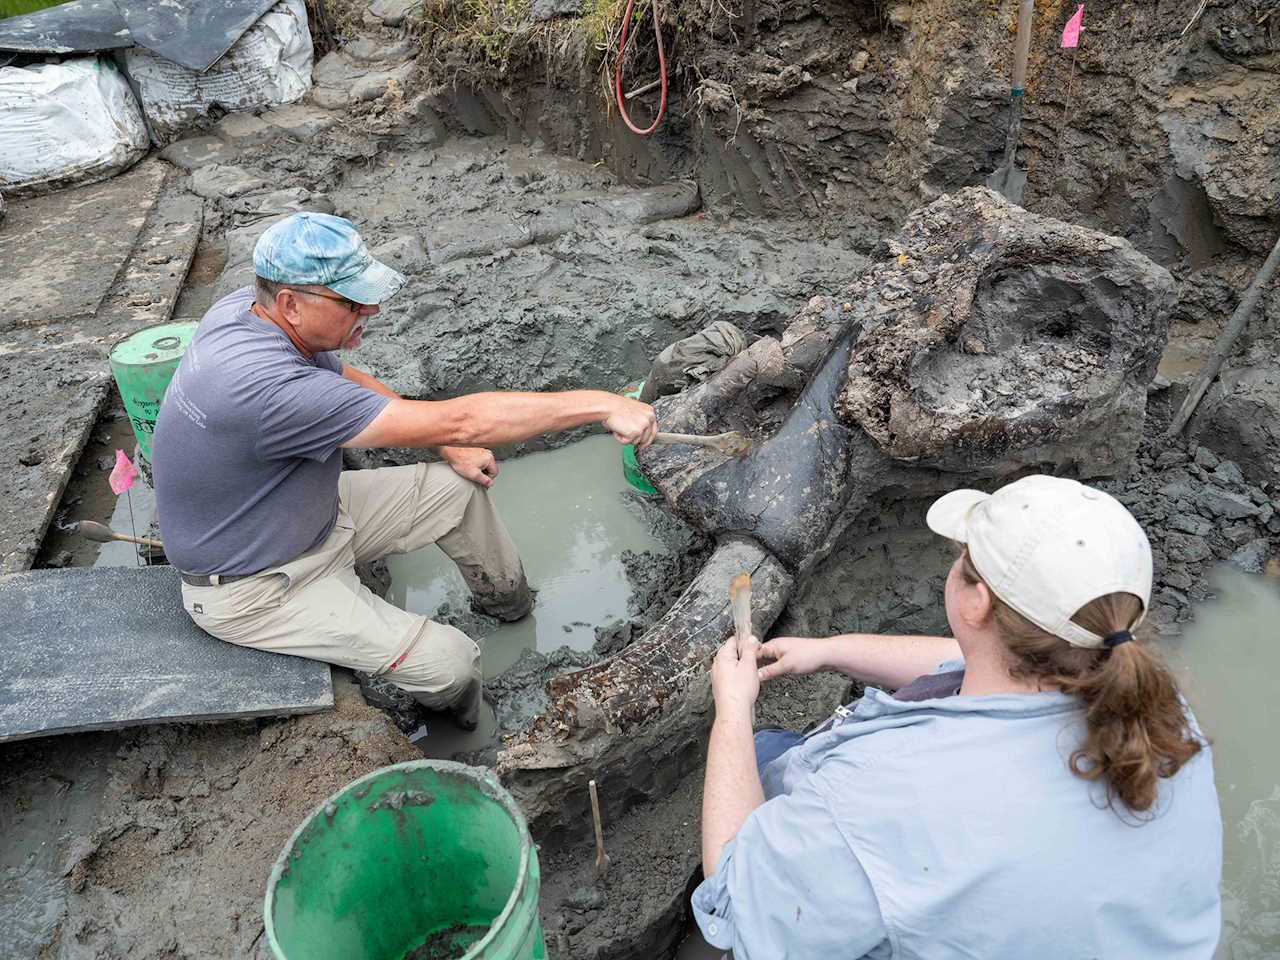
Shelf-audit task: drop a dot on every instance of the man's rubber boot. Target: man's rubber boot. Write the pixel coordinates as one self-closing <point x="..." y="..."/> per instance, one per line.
<point x="465" y="714"/>
<point x="507" y="607"/>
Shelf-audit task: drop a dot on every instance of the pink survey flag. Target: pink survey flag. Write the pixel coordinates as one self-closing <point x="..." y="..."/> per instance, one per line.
<point x="123" y="475"/>
<point x="1071" y="34"/>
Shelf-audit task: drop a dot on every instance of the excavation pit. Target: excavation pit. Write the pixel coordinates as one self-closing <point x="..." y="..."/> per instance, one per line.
<point x="534" y="267"/>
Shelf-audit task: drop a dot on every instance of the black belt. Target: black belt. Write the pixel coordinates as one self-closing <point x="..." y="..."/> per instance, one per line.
<point x="212" y="579"/>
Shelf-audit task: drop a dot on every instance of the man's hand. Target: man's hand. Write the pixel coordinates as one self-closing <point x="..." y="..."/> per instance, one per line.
<point x="474" y="463"/>
<point x="632" y="422"/>
<point x="793" y="655"/>
<point x="735" y="683"/>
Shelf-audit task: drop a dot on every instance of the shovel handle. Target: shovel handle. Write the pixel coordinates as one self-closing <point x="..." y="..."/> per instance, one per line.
<point x="1022" y="48"/>
<point x="602" y="858"/>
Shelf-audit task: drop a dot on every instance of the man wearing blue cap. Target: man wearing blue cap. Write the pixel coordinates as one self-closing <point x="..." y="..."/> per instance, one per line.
<point x="257" y="513"/>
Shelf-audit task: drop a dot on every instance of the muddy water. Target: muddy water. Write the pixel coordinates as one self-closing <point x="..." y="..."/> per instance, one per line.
<point x="439" y="739"/>
<point x="567" y="511"/>
<point x="1228" y="662"/>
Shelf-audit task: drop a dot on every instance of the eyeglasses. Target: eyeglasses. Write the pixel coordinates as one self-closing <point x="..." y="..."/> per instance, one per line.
<point x="349" y="305"/>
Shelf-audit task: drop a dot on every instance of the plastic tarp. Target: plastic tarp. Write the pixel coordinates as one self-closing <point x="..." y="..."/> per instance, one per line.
<point x="270" y="64"/>
<point x="81" y="26"/>
<point x="193" y="33"/>
<point x="62" y="123"/>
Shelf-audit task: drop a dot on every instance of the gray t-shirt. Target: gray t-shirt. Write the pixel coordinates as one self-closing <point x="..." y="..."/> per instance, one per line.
<point x="246" y="453"/>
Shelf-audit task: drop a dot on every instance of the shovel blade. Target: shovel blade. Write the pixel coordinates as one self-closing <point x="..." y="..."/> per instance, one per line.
<point x="1010" y="181"/>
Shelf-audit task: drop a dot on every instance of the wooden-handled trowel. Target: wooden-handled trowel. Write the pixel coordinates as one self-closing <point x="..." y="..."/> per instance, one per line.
<point x="730" y="444"/>
<point x="92" y="530"/>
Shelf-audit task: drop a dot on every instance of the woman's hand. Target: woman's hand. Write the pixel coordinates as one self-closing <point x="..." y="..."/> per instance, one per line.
<point x="735" y="683"/>
<point x="793" y="655"/>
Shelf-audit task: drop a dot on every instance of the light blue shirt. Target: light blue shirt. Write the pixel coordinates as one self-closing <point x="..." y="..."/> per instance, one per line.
<point x="953" y="828"/>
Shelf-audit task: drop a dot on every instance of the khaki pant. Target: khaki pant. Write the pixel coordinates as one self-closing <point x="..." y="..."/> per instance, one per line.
<point x="315" y="605"/>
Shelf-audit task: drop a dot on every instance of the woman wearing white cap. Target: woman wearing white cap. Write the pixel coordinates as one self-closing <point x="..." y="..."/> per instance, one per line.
<point x="1036" y="787"/>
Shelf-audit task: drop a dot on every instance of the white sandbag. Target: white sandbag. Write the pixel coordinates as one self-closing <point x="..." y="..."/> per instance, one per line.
<point x="268" y="65"/>
<point x="63" y="123"/>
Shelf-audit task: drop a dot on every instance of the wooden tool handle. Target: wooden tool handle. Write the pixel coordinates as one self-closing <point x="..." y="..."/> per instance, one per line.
<point x="1022" y="46"/>
<point x="92" y="530"/>
<point x="602" y="859"/>
<point x="740" y="601"/>
<point x="693" y="438"/>
<point x="1225" y="342"/>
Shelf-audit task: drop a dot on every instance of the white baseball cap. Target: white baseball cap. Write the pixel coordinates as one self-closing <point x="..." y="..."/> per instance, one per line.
<point x="1047" y="546"/>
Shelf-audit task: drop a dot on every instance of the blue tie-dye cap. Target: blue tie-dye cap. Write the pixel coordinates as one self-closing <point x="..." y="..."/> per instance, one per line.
<point x="324" y="250"/>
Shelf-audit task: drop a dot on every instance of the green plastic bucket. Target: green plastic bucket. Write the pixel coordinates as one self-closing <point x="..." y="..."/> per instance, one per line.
<point x="630" y="466"/>
<point x="143" y="364"/>
<point x="427" y="859"/>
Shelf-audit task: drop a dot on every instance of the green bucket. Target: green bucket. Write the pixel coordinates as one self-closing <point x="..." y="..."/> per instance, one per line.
<point x="143" y="364"/>
<point x="422" y="860"/>
<point x="630" y="466"/>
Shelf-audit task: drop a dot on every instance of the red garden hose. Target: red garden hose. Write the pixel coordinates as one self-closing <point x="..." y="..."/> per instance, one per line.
<point x="662" y="67"/>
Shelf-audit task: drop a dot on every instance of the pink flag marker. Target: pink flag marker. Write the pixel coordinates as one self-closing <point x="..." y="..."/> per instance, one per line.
<point x="123" y="475"/>
<point x="1071" y="33"/>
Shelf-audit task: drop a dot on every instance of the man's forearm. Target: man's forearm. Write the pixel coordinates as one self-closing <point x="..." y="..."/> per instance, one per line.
<point x="731" y="787"/>
<point x="888" y="661"/>
<point x="483" y="419"/>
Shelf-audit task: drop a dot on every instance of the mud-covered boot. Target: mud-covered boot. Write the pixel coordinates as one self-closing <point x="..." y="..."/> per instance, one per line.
<point x="401" y="705"/>
<point x="465" y="714"/>
<point x="507" y="606"/>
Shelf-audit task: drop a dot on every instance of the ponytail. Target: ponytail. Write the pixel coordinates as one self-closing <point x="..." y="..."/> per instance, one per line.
<point x="1137" y="729"/>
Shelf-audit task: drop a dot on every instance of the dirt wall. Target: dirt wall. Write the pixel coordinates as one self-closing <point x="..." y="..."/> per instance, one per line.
<point x="1163" y="127"/>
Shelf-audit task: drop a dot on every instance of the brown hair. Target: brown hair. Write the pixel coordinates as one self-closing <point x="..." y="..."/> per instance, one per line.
<point x="1137" y="729"/>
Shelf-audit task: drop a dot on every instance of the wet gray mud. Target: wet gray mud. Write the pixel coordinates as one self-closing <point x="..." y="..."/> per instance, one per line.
<point x="530" y="271"/>
<point x="447" y="944"/>
<point x="44" y="807"/>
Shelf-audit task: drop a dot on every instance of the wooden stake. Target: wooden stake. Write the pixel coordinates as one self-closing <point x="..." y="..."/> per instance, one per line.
<point x="740" y="600"/>
<point x="1066" y="107"/>
<point x="602" y="858"/>
<point x="1225" y="342"/>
